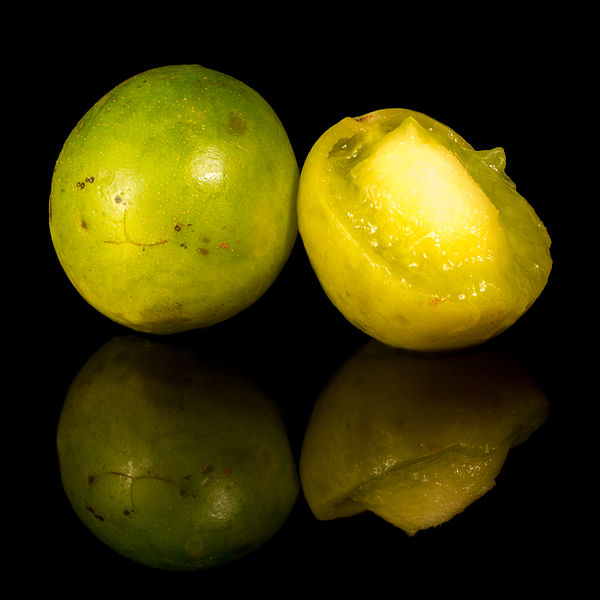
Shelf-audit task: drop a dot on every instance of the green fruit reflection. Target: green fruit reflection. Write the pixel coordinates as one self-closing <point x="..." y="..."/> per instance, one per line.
<point x="171" y="462"/>
<point x="415" y="439"/>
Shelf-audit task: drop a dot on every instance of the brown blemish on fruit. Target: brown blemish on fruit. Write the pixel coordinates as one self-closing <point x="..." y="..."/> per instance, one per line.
<point x="207" y="469"/>
<point x="236" y="124"/>
<point x="224" y="245"/>
<point x="90" y="509"/>
<point x="90" y="179"/>
<point x="435" y="301"/>
<point x="84" y="225"/>
<point x="80" y="185"/>
<point x="203" y="251"/>
<point x="364" y="118"/>
<point x="177" y="227"/>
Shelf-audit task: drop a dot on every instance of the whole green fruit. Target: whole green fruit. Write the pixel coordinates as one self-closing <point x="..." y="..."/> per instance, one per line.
<point x="173" y="200"/>
<point x="172" y="462"/>
<point x="418" y="239"/>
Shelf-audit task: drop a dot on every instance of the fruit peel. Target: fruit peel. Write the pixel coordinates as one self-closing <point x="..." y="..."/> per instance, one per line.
<point x="174" y="462"/>
<point x="172" y="204"/>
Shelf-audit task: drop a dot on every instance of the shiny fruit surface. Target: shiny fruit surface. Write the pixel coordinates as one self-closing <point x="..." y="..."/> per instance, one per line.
<point x="415" y="439"/>
<point x="172" y="462"/>
<point x="172" y="203"/>
<point x="419" y="240"/>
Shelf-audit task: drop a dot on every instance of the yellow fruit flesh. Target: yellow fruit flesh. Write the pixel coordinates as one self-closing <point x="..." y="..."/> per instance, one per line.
<point x="419" y="207"/>
<point x="428" y="495"/>
<point x="415" y="439"/>
<point x="419" y="240"/>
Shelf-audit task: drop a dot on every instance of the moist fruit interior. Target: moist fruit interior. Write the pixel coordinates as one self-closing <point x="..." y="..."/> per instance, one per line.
<point x="422" y="201"/>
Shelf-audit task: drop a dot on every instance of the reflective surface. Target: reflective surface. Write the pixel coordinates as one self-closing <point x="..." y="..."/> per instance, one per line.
<point x="292" y="342"/>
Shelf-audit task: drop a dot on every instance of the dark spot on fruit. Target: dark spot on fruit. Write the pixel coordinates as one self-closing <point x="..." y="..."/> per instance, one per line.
<point x="80" y="185"/>
<point x="126" y="512"/>
<point x="84" y="225"/>
<point x="236" y="124"/>
<point x="90" y="509"/>
<point x="203" y="251"/>
<point x="182" y="493"/>
<point x="177" y="227"/>
<point x="207" y="469"/>
<point x="183" y="245"/>
<point x="89" y="179"/>
<point x="118" y="199"/>
<point x="364" y="118"/>
<point x="91" y="478"/>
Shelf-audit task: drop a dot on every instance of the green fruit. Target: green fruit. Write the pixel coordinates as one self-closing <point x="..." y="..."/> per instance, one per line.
<point x="173" y="200"/>
<point x="419" y="240"/>
<point x="172" y="462"/>
<point x="415" y="439"/>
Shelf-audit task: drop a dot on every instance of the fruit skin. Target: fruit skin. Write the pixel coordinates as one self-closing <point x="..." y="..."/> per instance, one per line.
<point x="415" y="439"/>
<point x="398" y="281"/>
<point x="172" y="203"/>
<point x="173" y="462"/>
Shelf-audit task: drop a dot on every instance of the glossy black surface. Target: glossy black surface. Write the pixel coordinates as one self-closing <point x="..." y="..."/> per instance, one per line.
<point x="293" y="340"/>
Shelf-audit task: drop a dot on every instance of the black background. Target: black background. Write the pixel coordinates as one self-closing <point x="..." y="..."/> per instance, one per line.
<point x="495" y="87"/>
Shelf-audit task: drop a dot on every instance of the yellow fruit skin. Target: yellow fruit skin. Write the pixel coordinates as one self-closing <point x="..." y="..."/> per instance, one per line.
<point x="415" y="439"/>
<point x="172" y="462"/>
<point x="173" y="200"/>
<point x="412" y="308"/>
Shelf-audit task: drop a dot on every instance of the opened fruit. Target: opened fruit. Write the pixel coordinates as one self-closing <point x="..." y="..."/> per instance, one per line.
<point x="173" y="200"/>
<point x="419" y="240"/>
<point x="415" y="439"/>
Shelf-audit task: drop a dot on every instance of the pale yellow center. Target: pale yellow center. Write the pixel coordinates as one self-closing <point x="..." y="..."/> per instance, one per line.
<point x="417" y="202"/>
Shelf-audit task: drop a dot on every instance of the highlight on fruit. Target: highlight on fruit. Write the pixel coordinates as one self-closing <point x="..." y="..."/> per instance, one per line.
<point x="418" y="239"/>
<point x="173" y="461"/>
<point x="415" y="439"/>
<point x="173" y="200"/>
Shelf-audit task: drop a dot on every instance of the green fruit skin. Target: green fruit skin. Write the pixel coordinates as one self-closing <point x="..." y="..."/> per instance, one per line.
<point x="172" y="203"/>
<point x="173" y="463"/>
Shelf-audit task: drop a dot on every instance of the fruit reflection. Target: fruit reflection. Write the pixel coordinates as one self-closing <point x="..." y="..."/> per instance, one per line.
<point x="172" y="462"/>
<point x="415" y="439"/>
